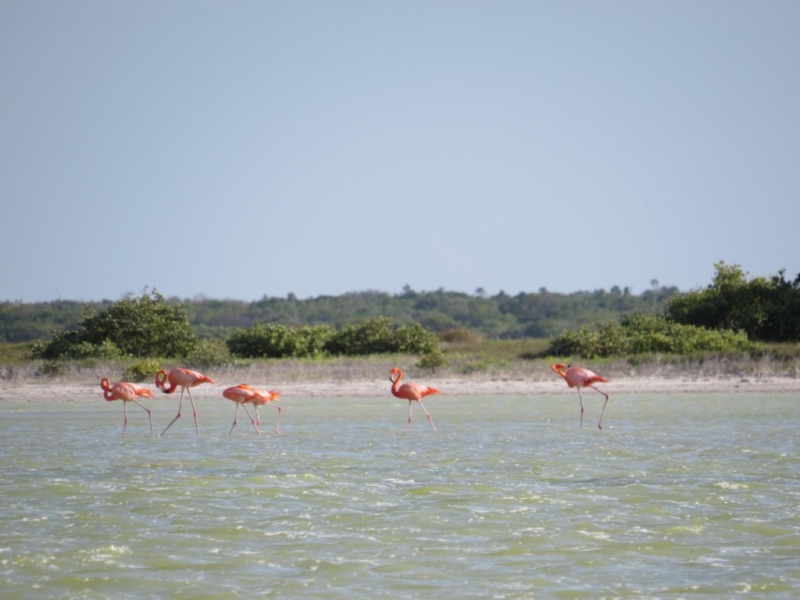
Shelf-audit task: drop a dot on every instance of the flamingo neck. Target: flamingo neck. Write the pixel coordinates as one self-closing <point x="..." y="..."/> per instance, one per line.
<point x="559" y="371"/>
<point x="161" y="382"/>
<point x="396" y="382"/>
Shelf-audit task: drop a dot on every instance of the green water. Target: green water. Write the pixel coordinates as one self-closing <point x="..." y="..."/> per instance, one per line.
<point x="680" y="495"/>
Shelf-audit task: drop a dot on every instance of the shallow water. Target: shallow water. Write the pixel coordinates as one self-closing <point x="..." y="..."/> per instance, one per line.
<point x="680" y="495"/>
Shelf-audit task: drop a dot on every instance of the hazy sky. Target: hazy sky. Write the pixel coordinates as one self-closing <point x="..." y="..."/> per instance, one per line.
<point x="237" y="149"/>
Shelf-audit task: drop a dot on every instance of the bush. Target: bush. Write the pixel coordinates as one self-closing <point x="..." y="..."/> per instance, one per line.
<point x="52" y="368"/>
<point x="646" y="333"/>
<point x="461" y="335"/>
<point x="433" y="360"/>
<point x="375" y="336"/>
<point x="139" y="326"/>
<point x="767" y="310"/>
<point x="144" y="370"/>
<point x="278" y="341"/>
<point x="209" y="353"/>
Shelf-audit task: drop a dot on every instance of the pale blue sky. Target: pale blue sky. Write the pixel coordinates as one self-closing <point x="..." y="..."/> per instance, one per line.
<point x="237" y="149"/>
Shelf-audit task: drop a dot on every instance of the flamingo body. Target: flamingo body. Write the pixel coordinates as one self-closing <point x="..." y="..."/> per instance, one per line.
<point x="263" y="397"/>
<point x="185" y="379"/>
<point x="127" y="392"/>
<point x="413" y="392"/>
<point x="578" y="377"/>
<point x="241" y="395"/>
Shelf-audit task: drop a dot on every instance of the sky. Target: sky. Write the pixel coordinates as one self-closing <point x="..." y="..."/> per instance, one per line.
<point x="243" y="149"/>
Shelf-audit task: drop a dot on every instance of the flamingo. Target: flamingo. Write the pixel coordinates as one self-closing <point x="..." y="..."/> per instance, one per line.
<point x="127" y="392"/>
<point x="411" y="392"/>
<point x="185" y="379"/>
<point x="263" y="397"/>
<point x="241" y="394"/>
<point x="578" y="377"/>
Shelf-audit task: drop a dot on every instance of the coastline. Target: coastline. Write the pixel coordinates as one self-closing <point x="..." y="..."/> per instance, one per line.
<point x="497" y="385"/>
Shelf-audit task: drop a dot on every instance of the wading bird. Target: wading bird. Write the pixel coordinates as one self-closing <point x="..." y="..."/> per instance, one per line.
<point x="127" y="392"/>
<point x="241" y="394"/>
<point x="185" y="379"/>
<point x="577" y="377"/>
<point x="411" y="392"/>
<point x="263" y="397"/>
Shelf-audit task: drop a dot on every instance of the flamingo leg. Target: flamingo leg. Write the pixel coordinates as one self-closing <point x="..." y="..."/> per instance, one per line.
<point x="580" y="398"/>
<point x="125" y="423"/>
<point x="251" y="418"/>
<point x="600" y="423"/>
<point x="194" y="410"/>
<point x="235" y="416"/>
<point x="180" y="403"/>
<point x="409" y="416"/>
<point x="430" y="419"/>
<point x="278" y="425"/>
<point x="149" y="416"/>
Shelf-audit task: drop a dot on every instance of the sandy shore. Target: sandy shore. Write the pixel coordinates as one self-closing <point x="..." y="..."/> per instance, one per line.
<point x="74" y="391"/>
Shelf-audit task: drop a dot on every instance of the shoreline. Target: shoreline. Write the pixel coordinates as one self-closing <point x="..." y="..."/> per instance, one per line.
<point x="499" y="385"/>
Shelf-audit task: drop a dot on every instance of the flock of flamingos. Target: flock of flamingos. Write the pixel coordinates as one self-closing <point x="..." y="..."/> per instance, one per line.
<point x="244" y="394"/>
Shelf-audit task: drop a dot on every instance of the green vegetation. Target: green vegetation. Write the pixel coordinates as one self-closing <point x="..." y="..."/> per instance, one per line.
<point x="734" y="315"/>
<point x="647" y="334"/>
<point x="139" y="326"/>
<point x="143" y="370"/>
<point x="766" y="309"/>
<point x="374" y="336"/>
<point x="535" y="315"/>
<point x="278" y="341"/>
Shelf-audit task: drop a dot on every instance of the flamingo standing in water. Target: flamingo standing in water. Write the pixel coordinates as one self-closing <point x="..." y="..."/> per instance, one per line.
<point x="185" y="379"/>
<point x="411" y="392"/>
<point x="578" y="377"/>
<point x="263" y="397"/>
<point x="127" y="392"/>
<point x="241" y="394"/>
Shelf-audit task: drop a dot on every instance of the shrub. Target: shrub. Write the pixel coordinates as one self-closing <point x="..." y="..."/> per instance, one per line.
<point x="51" y="368"/>
<point x="209" y="353"/>
<point x="278" y="341"/>
<point x="433" y="360"/>
<point x="377" y="336"/>
<point x="765" y="309"/>
<point x="646" y="333"/>
<point x="461" y="335"/>
<point x="137" y="326"/>
<point x="144" y="370"/>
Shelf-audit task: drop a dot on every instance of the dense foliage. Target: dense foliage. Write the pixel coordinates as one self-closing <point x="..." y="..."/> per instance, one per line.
<point x="526" y="315"/>
<point x="279" y="341"/>
<point x="135" y="326"/>
<point x="646" y="334"/>
<point x="766" y="309"/>
<point x="374" y="336"/>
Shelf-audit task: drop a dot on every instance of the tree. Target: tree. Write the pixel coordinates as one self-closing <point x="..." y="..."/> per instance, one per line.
<point x="766" y="309"/>
<point x="142" y="326"/>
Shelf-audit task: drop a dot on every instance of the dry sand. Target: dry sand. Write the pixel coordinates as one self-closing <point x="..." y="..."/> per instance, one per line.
<point x="370" y="384"/>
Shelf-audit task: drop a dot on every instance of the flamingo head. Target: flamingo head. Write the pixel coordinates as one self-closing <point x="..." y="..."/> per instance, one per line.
<point x="395" y="375"/>
<point x="558" y="367"/>
<point x="105" y="383"/>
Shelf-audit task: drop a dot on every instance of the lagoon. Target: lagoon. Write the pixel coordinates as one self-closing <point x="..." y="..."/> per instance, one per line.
<point x="680" y="495"/>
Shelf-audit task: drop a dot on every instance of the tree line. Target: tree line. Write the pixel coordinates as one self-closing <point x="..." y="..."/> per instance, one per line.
<point x="502" y="316"/>
<point x="733" y="313"/>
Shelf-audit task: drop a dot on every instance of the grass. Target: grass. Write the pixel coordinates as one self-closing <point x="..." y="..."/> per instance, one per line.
<point x="468" y="356"/>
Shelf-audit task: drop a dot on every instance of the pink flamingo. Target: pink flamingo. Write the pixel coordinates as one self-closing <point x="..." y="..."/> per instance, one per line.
<point x="413" y="392"/>
<point x="127" y="392"/>
<point x="577" y="377"/>
<point x="263" y="397"/>
<point x="241" y="394"/>
<point x="185" y="379"/>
